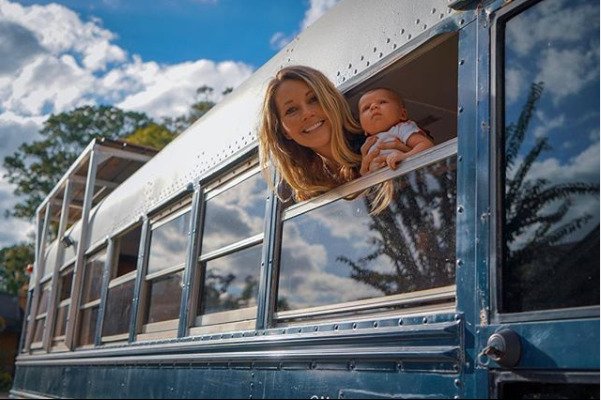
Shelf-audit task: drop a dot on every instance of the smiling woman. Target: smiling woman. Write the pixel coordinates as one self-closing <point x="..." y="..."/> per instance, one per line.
<point x="308" y="132"/>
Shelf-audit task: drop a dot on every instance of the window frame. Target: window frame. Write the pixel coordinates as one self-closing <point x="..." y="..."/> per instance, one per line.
<point x="497" y="181"/>
<point x="435" y="154"/>
<point x="168" y="328"/>
<point x="58" y="342"/>
<point x="81" y="307"/>
<point x="239" y="319"/>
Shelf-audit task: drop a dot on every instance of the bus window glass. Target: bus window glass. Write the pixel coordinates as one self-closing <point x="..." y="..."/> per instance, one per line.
<point x="551" y="158"/>
<point x="121" y="287"/>
<point x="60" y="325"/>
<point x="87" y="325"/>
<point x="235" y="214"/>
<point x="66" y="281"/>
<point x="43" y="307"/>
<point x="92" y="280"/>
<point x="231" y="282"/>
<point x="90" y="298"/>
<point x="118" y="309"/>
<point x="129" y="245"/>
<point x="39" y="330"/>
<point x="168" y="243"/>
<point x="340" y="253"/>
<point x="164" y="295"/>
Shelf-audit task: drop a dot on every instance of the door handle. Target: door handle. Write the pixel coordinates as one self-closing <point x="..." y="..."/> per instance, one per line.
<point x="504" y="348"/>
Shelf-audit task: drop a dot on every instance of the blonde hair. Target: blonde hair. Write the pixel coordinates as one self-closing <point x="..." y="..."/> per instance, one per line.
<point x="300" y="167"/>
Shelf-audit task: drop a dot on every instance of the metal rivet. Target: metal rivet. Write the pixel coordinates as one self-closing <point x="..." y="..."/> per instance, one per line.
<point x="457" y="382"/>
<point x="460" y="209"/>
<point x="388" y="40"/>
<point x="459" y="262"/>
<point x="409" y="36"/>
<point x="402" y="31"/>
<point x="375" y="49"/>
<point x="335" y="327"/>
<point x="362" y="58"/>
<point x="400" y="321"/>
<point x="460" y="109"/>
<point x="425" y="320"/>
<point x="376" y="324"/>
<point x="417" y="21"/>
<point x="355" y="326"/>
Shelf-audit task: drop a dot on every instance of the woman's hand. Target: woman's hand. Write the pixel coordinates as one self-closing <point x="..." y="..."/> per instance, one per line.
<point x="373" y="159"/>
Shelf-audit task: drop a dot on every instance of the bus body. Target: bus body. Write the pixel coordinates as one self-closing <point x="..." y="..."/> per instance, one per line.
<point x="190" y="278"/>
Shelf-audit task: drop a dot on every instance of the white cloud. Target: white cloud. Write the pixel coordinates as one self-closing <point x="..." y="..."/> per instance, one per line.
<point x="53" y="61"/>
<point x="316" y="9"/>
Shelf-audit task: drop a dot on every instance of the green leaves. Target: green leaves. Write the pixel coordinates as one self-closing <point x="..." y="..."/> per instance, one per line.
<point x="13" y="262"/>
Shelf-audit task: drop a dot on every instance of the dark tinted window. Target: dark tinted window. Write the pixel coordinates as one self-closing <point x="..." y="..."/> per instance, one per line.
<point x="551" y="139"/>
<point x="339" y="252"/>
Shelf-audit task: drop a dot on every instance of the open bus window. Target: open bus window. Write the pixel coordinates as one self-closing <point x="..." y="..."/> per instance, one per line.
<point x="337" y="259"/>
<point x="64" y="302"/>
<point x="90" y="298"/>
<point x="231" y="249"/>
<point x="115" y="325"/>
<point x="166" y="260"/>
<point x="550" y="159"/>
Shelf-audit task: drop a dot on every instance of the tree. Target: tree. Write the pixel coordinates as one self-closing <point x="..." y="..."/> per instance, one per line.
<point x="200" y="107"/>
<point x="151" y="135"/>
<point x="13" y="263"/>
<point x="36" y="167"/>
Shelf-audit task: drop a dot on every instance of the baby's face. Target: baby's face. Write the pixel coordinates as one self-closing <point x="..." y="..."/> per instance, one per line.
<point x="379" y="111"/>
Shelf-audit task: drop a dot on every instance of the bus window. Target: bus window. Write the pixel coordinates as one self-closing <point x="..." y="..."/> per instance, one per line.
<point x="90" y="298"/>
<point x="64" y="302"/>
<point x="551" y="158"/>
<point x="231" y="252"/>
<point x="117" y="313"/>
<point x="339" y="258"/>
<point x="41" y="314"/>
<point x="163" y="280"/>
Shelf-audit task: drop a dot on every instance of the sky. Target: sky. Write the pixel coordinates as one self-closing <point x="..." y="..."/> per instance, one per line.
<point x="138" y="55"/>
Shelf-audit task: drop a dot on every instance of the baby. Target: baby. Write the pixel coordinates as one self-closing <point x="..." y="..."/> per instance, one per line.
<point x="382" y="113"/>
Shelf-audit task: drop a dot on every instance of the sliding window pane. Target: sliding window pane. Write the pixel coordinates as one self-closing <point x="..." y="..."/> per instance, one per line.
<point x="235" y="214"/>
<point x="164" y="294"/>
<point x="87" y="325"/>
<point x="92" y="279"/>
<point x="340" y="253"/>
<point x="118" y="309"/>
<point x="231" y="282"/>
<point x="168" y="243"/>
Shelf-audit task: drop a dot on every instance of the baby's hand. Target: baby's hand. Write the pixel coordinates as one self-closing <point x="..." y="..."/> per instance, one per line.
<point x="394" y="158"/>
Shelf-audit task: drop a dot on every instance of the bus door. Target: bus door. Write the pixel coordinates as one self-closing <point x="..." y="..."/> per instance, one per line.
<point x="539" y="338"/>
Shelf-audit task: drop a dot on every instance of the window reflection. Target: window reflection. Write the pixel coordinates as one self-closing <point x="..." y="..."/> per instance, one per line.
<point x="164" y="295"/>
<point x="118" y="309"/>
<point x="235" y="214"/>
<point x="168" y="243"/>
<point x="551" y="220"/>
<point x="231" y="282"/>
<point x="93" y="277"/>
<point x="340" y="253"/>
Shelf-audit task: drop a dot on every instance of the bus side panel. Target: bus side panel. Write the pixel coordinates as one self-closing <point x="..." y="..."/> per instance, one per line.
<point x="296" y="380"/>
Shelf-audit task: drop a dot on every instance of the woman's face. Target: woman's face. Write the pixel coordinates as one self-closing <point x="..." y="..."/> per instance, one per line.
<point x="302" y="117"/>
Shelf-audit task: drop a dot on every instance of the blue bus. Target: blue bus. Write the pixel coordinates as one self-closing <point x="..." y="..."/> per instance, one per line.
<point x="183" y="275"/>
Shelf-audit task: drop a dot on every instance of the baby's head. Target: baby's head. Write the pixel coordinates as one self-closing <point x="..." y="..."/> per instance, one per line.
<point x="380" y="109"/>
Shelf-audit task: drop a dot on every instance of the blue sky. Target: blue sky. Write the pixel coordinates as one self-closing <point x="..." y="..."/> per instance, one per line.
<point x="173" y="31"/>
<point x="139" y="55"/>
